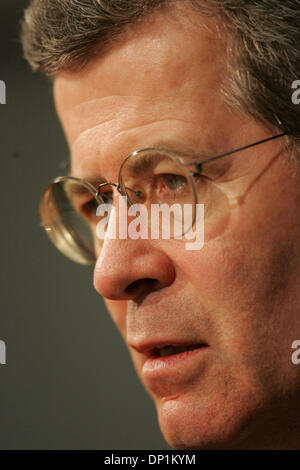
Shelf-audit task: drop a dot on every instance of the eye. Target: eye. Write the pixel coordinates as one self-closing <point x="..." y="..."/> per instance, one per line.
<point x="172" y="182"/>
<point x="135" y="195"/>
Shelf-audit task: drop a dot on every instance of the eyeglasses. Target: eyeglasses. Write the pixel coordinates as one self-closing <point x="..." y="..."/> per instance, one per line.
<point x="151" y="176"/>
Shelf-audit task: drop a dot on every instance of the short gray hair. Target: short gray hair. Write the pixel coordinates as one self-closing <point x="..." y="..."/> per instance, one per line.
<point x="264" y="38"/>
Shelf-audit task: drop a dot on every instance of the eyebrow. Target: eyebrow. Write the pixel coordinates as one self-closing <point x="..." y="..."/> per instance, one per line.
<point x="180" y="149"/>
<point x="77" y="188"/>
<point x="93" y="179"/>
<point x="183" y="150"/>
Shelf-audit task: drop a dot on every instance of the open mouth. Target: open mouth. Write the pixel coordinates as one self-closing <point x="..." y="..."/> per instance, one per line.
<point x="164" y="360"/>
<point x="170" y="350"/>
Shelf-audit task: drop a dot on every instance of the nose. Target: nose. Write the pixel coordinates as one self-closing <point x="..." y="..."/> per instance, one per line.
<point x="131" y="269"/>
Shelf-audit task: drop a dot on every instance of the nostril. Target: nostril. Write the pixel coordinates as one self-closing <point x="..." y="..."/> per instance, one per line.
<point x="142" y="287"/>
<point x="130" y="272"/>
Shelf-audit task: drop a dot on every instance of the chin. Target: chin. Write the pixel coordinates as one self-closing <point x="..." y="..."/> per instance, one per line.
<point x="205" y="425"/>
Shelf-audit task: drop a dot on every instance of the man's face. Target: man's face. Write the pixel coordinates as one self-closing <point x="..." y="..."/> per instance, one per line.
<point x="238" y="296"/>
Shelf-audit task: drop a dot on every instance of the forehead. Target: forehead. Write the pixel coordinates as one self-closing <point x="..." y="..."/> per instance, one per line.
<point x="157" y="77"/>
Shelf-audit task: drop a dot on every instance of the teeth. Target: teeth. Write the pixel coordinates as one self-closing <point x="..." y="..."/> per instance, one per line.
<point x="169" y="350"/>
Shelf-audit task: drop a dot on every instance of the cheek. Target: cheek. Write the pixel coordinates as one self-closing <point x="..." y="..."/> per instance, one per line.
<point x="248" y="280"/>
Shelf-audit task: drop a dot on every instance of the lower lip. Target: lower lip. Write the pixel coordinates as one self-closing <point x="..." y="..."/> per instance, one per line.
<point x="166" y="365"/>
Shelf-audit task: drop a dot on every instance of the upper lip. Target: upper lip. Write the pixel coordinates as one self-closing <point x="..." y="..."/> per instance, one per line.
<point x="150" y="348"/>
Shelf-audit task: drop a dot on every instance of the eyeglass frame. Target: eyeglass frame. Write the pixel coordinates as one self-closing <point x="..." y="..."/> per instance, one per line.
<point x="198" y="165"/>
<point x="97" y="191"/>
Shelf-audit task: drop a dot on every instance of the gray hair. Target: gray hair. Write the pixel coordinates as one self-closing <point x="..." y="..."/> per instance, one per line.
<point x="263" y="37"/>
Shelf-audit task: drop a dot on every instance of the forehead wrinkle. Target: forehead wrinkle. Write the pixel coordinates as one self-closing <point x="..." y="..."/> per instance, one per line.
<point x="91" y="144"/>
<point x="89" y="134"/>
<point x="88" y="115"/>
<point x="108" y="100"/>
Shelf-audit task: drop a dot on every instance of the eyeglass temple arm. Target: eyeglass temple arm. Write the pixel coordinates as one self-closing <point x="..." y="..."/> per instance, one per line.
<point x="199" y="164"/>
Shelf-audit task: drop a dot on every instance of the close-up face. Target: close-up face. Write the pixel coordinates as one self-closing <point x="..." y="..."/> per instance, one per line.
<point x="210" y="330"/>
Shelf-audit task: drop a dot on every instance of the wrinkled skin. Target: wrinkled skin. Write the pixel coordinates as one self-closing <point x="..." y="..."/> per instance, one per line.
<point x="239" y="295"/>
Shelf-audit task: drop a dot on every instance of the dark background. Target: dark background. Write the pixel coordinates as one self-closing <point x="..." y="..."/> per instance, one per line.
<point x="68" y="382"/>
